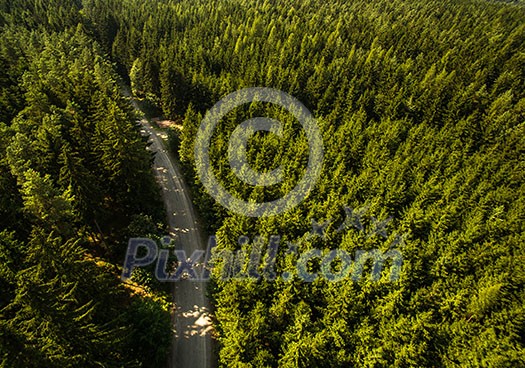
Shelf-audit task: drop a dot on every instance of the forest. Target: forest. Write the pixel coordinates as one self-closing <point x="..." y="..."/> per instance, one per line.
<point x="421" y="106"/>
<point x="76" y="183"/>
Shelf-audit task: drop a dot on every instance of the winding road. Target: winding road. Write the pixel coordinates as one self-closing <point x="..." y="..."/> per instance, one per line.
<point x="192" y="329"/>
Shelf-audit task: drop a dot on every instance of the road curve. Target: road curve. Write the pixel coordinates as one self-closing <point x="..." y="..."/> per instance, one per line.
<point x="191" y="345"/>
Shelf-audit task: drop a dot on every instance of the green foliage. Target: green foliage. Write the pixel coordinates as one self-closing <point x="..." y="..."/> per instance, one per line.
<point x="149" y="340"/>
<point x="74" y="174"/>
<point x="421" y="106"/>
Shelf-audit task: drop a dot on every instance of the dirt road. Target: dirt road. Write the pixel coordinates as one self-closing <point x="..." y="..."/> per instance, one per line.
<point x="191" y="321"/>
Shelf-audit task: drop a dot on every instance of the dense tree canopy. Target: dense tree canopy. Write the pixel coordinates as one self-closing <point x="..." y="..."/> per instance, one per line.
<point x="421" y="105"/>
<point x="74" y="173"/>
<point x="422" y="109"/>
